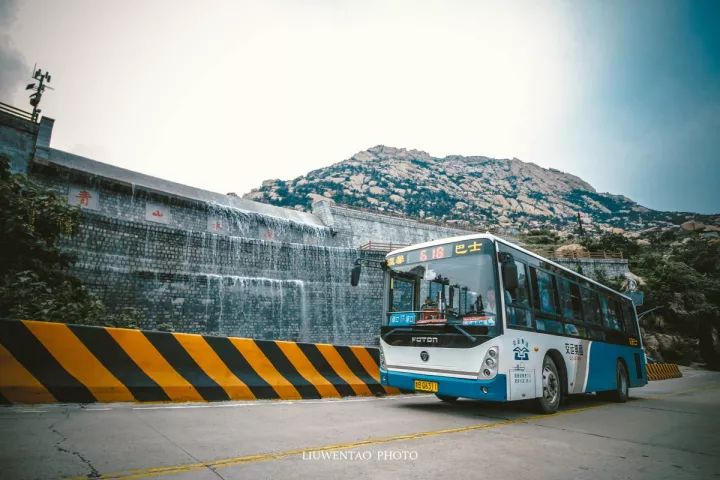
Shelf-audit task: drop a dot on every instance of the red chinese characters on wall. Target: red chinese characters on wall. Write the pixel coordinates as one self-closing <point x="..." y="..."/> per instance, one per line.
<point x="217" y="224"/>
<point x="156" y="212"/>
<point x="84" y="197"/>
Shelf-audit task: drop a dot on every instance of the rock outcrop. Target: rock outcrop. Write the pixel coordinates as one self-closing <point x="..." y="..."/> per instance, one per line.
<point x="477" y="191"/>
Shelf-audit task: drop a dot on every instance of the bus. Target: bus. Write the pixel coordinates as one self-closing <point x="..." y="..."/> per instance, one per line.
<point x="481" y="318"/>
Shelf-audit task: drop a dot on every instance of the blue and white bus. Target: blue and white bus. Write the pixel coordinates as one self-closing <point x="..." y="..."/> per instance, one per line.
<point x="478" y="317"/>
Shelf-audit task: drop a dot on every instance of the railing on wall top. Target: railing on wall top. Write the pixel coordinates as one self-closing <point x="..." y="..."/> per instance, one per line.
<point x="16" y="112"/>
<point x="381" y="247"/>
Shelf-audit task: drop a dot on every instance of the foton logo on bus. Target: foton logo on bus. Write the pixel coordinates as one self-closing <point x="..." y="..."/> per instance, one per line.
<point x="424" y="340"/>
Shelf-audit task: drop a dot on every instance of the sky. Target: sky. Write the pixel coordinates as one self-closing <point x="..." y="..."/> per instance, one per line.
<point x="223" y="94"/>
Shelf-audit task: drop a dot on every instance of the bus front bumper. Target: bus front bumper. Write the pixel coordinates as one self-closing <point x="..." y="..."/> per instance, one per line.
<point x="494" y="390"/>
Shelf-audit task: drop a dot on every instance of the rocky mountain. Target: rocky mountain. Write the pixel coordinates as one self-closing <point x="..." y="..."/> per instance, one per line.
<point x="473" y="192"/>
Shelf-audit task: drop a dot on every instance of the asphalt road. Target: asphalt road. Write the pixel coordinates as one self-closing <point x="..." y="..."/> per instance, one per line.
<point x="669" y="429"/>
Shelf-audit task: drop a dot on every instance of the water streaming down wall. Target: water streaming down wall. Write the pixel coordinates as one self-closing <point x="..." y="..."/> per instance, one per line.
<point x="204" y="282"/>
<point x="209" y="263"/>
<point x="245" y="223"/>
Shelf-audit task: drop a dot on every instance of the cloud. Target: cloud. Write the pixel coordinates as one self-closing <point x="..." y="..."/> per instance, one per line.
<point x="13" y="67"/>
<point x="8" y="12"/>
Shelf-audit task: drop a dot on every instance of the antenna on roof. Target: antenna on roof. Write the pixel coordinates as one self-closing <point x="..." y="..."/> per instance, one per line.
<point x="39" y="89"/>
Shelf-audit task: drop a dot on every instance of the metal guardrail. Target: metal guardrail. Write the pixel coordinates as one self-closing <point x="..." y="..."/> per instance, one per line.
<point x="16" y="112"/>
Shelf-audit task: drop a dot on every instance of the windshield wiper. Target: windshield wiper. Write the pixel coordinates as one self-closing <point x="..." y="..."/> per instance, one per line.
<point x="399" y="329"/>
<point x="464" y="332"/>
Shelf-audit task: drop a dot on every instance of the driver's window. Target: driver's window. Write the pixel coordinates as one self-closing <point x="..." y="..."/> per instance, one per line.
<point x="517" y="303"/>
<point x="402" y="295"/>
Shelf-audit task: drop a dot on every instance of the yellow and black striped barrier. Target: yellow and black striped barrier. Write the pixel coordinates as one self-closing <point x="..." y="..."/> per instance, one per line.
<point x="662" y="371"/>
<point x="42" y="362"/>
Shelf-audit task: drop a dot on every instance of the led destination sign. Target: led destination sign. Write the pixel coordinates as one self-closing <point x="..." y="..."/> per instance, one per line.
<point x="438" y="252"/>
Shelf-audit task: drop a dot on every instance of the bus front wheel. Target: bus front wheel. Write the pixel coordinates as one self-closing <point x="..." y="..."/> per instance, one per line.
<point x="549" y="402"/>
<point x="622" y="385"/>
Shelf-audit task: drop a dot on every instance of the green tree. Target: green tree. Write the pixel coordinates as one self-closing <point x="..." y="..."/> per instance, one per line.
<point x="35" y="282"/>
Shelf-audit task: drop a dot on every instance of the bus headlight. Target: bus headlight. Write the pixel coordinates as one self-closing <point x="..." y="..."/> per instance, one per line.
<point x="490" y="363"/>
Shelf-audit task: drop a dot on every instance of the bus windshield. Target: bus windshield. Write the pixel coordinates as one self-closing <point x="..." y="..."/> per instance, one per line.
<point x="458" y="290"/>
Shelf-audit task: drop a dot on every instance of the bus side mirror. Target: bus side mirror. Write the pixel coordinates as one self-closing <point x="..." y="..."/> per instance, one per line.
<point x="509" y="275"/>
<point x="355" y="275"/>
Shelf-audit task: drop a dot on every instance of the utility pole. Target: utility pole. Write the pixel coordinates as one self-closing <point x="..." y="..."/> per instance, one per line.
<point x="38" y="88"/>
<point x="581" y="231"/>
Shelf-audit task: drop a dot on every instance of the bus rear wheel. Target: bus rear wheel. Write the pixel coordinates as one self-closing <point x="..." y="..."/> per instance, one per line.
<point x="549" y="402"/>
<point x="446" y="398"/>
<point x="622" y="386"/>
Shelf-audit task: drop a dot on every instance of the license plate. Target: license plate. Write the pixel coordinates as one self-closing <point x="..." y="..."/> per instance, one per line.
<point x="424" y="386"/>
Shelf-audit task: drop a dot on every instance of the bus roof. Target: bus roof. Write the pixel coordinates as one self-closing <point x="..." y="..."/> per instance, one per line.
<point x="495" y="238"/>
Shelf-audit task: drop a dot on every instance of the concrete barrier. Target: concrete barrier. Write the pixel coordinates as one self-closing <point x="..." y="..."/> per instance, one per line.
<point x="42" y="362"/>
<point x="662" y="371"/>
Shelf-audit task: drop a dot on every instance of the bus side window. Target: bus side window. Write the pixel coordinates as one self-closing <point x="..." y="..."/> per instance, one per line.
<point x="619" y="323"/>
<point x="545" y="297"/>
<point x="591" y="313"/>
<point x="570" y="307"/>
<point x="577" y="309"/>
<point x="629" y="319"/>
<point x="610" y="313"/>
<point x="517" y="300"/>
<point x="570" y="300"/>
<point x="545" y="302"/>
<point x="590" y="306"/>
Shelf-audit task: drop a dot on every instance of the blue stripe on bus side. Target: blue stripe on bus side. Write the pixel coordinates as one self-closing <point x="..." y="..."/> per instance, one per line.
<point x="603" y="364"/>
